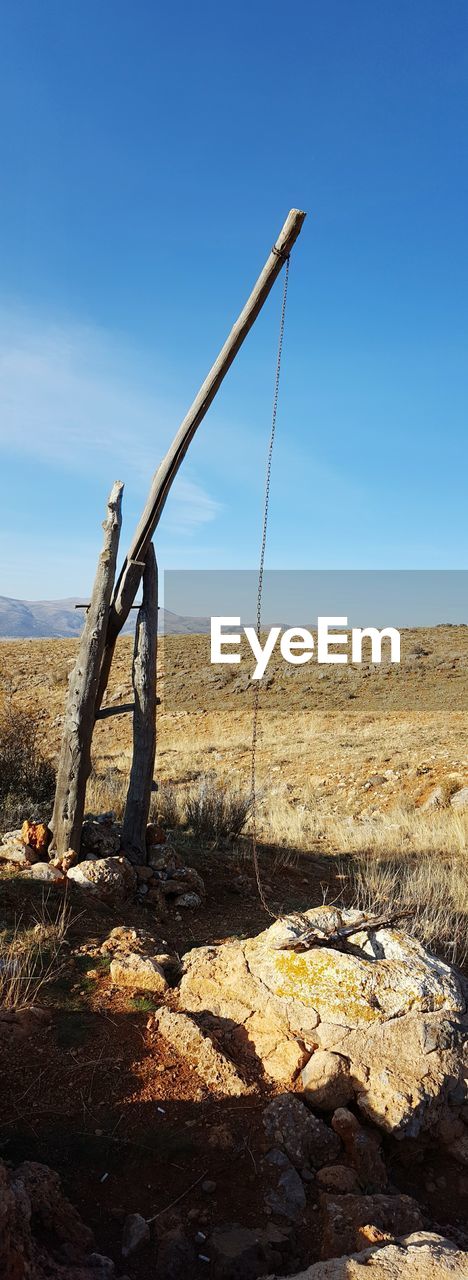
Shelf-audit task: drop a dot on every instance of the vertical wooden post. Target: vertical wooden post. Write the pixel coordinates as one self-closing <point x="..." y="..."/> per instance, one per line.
<point x="75" y="753"/>
<point x="144" y="716"/>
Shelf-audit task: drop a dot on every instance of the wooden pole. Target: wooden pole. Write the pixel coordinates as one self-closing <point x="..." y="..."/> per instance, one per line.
<point x="130" y="576"/>
<point x="75" y="754"/>
<point x="144" y="716"/>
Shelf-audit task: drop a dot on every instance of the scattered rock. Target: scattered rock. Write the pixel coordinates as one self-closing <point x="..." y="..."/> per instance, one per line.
<point x="19" y="1024"/>
<point x="138" y="973"/>
<point x="100" y="835"/>
<point x="338" y="1179"/>
<point x="183" y="880"/>
<point x="435" y="800"/>
<point x="52" y="1212"/>
<point x="190" y="1041"/>
<point x="343" y="1216"/>
<point x="45" y="871"/>
<point x="176" y="1256"/>
<point x="113" y="880"/>
<point x="238" y="1253"/>
<point x="208" y="1186"/>
<point x="221" y="1136"/>
<point x="363" y="1148"/>
<point x="163" y="858"/>
<point x="305" y="1139"/>
<point x="326" y="1080"/>
<point x="287" y="1198"/>
<point x="155" y="835"/>
<point x="136" y="1233"/>
<point x="421" y="1256"/>
<point x="36" y="835"/>
<point x="64" y="861"/>
<point x="15" y="851"/>
<point x="459" y="800"/>
<point x="188" y="901"/>
<point x="102" y="1268"/>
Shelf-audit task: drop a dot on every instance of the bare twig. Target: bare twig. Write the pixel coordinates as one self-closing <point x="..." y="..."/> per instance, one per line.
<point x="320" y="938"/>
<point x="179" y="1198"/>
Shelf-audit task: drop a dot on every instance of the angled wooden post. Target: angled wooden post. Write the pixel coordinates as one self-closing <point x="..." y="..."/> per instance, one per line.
<point x="132" y="569"/>
<point x="75" y="754"/>
<point x="144" y="716"/>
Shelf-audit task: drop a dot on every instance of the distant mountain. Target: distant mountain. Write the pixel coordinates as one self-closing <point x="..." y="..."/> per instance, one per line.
<point x="32" y="619"/>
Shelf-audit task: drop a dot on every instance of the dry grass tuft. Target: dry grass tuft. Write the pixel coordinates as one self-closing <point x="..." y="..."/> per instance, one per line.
<point x="214" y="811"/>
<point x="31" y="957"/>
<point x="434" y="890"/>
<point x="27" y="777"/>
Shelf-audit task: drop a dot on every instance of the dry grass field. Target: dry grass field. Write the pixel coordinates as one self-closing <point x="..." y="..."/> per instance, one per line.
<point x="361" y="764"/>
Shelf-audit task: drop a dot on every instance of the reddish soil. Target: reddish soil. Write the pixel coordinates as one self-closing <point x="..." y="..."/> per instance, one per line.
<point x="128" y="1124"/>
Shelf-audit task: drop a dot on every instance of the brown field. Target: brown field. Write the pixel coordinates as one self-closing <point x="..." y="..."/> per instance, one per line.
<point x="348" y="759"/>
<point x="348" y="765"/>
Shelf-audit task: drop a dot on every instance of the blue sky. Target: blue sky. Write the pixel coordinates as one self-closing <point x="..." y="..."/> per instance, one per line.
<point x="149" y="156"/>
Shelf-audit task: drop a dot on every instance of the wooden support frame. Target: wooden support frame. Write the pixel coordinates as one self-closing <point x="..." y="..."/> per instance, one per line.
<point x="107" y="612"/>
<point x="130" y="575"/>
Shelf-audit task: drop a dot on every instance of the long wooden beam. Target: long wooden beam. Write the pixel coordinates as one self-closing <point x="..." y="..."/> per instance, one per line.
<point x="131" y="573"/>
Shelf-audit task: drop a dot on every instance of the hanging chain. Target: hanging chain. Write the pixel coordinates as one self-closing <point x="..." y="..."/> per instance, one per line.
<point x="256" y="696"/>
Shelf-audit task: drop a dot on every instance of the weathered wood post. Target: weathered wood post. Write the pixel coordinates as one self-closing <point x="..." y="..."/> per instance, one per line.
<point x="75" y="754"/>
<point x="130" y="575"/>
<point x="144" y="716"/>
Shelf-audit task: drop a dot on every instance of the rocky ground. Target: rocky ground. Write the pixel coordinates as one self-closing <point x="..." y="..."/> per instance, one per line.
<point x="214" y="1100"/>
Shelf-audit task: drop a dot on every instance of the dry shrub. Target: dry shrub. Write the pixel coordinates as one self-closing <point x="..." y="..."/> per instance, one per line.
<point x="215" y="811"/>
<point x="166" y="803"/>
<point x="433" y="890"/>
<point x="107" y="791"/>
<point x="31" y="957"/>
<point x="27" y="777"/>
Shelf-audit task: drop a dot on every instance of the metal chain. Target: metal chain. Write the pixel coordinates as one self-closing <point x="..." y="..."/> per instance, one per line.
<point x="253" y="772"/>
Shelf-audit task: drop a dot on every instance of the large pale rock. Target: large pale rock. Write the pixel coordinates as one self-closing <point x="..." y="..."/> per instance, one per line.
<point x="420" y="1256"/>
<point x="194" y="1045"/>
<point x="113" y="880"/>
<point x="394" y="1014"/>
<point x="135" y="972"/>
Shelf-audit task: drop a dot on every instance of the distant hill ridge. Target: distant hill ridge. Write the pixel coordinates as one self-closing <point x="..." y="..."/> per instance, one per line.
<point x="46" y="619"/>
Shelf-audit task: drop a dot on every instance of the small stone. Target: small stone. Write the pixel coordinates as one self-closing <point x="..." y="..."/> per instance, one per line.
<point x="288" y="1197"/>
<point x="137" y="973"/>
<point x="326" y="1080"/>
<point x="176" y="1256"/>
<point x="305" y="1139"/>
<point x="188" y="901"/>
<point x="363" y="1148"/>
<point x="238" y="1252"/>
<point x="208" y="1186"/>
<point x="338" y="1178"/>
<point x="36" y="835"/>
<point x="45" y="871"/>
<point x="136" y="1233"/>
<point x="459" y="800"/>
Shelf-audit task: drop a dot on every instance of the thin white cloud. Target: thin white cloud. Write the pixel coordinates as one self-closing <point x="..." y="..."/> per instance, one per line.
<point x="70" y="397"/>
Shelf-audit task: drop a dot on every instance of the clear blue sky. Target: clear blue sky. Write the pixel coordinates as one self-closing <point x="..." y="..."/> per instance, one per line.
<point x="149" y="155"/>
